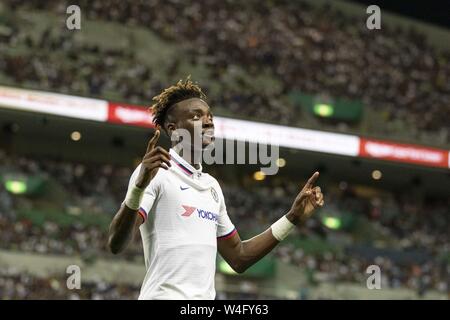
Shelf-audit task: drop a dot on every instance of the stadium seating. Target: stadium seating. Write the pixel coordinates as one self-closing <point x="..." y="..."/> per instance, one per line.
<point x="400" y="78"/>
<point x="252" y="58"/>
<point x="377" y="229"/>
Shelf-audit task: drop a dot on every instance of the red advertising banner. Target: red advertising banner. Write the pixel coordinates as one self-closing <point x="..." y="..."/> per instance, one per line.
<point x="404" y="153"/>
<point x="226" y="128"/>
<point x="129" y="114"/>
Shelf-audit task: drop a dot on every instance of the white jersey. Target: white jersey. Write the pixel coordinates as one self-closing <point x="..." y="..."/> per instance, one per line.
<point x="185" y="213"/>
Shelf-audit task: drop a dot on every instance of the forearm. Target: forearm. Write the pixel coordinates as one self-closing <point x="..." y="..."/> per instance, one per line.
<point x="254" y="249"/>
<point x="121" y="229"/>
<point x="242" y="254"/>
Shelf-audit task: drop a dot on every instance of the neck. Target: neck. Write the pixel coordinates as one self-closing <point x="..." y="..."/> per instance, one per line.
<point x="192" y="157"/>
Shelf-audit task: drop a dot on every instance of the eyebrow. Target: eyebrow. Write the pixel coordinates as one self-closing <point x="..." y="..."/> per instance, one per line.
<point x="200" y="110"/>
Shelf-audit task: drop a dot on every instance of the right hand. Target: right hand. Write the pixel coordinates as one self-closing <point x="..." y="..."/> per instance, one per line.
<point x="154" y="158"/>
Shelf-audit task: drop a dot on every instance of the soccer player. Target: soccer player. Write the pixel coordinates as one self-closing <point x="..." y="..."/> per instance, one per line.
<point x="181" y="213"/>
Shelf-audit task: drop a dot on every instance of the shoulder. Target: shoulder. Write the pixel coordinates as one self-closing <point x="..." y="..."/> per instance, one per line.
<point x="215" y="185"/>
<point x="211" y="180"/>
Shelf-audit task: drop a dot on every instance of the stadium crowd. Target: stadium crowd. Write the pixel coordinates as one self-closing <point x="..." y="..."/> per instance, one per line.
<point x="16" y="285"/>
<point x="405" y="223"/>
<point x="318" y="51"/>
<point x="19" y="285"/>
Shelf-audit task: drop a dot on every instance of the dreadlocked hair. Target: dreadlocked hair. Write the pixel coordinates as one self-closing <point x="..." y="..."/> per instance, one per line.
<point x="183" y="90"/>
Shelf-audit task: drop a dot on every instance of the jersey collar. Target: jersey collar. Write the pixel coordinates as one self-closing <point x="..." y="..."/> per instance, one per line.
<point x="183" y="166"/>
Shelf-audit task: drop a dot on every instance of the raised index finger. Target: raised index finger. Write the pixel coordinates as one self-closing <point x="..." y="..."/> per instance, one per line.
<point x="153" y="141"/>
<point x="312" y="180"/>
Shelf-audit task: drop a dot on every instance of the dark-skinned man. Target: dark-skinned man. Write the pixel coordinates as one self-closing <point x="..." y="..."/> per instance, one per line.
<point x="180" y="210"/>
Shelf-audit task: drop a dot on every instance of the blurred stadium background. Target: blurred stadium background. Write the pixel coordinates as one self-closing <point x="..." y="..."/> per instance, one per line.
<point x="369" y="109"/>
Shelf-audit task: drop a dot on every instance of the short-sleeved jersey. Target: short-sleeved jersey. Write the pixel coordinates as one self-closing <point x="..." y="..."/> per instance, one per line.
<point x="185" y="213"/>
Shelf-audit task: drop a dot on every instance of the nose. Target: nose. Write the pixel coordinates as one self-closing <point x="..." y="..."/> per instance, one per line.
<point x="208" y="122"/>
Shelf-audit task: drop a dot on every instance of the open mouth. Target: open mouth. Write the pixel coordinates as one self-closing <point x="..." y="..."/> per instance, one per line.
<point x="208" y="133"/>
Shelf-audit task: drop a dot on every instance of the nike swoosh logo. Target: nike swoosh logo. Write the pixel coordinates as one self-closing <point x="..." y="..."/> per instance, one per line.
<point x="183" y="188"/>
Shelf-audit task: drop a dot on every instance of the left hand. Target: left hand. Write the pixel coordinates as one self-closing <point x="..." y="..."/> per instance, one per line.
<point x="309" y="198"/>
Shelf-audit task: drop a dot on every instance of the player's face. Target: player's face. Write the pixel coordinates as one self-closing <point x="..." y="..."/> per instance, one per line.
<point x="195" y="116"/>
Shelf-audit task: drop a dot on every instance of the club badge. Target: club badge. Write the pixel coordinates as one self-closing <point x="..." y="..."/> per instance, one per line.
<point x="214" y="195"/>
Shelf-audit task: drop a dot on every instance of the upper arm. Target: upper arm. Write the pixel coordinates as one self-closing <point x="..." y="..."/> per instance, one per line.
<point x="229" y="247"/>
<point x="228" y="239"/>
<point x="225" y="228"/>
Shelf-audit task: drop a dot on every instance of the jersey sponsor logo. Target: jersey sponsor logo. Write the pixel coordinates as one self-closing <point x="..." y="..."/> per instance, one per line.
<point x="187" y="211"/>
<point x="202" y="214"/>
<point x="207" y="215"/>
<point x="185" y="188"/>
